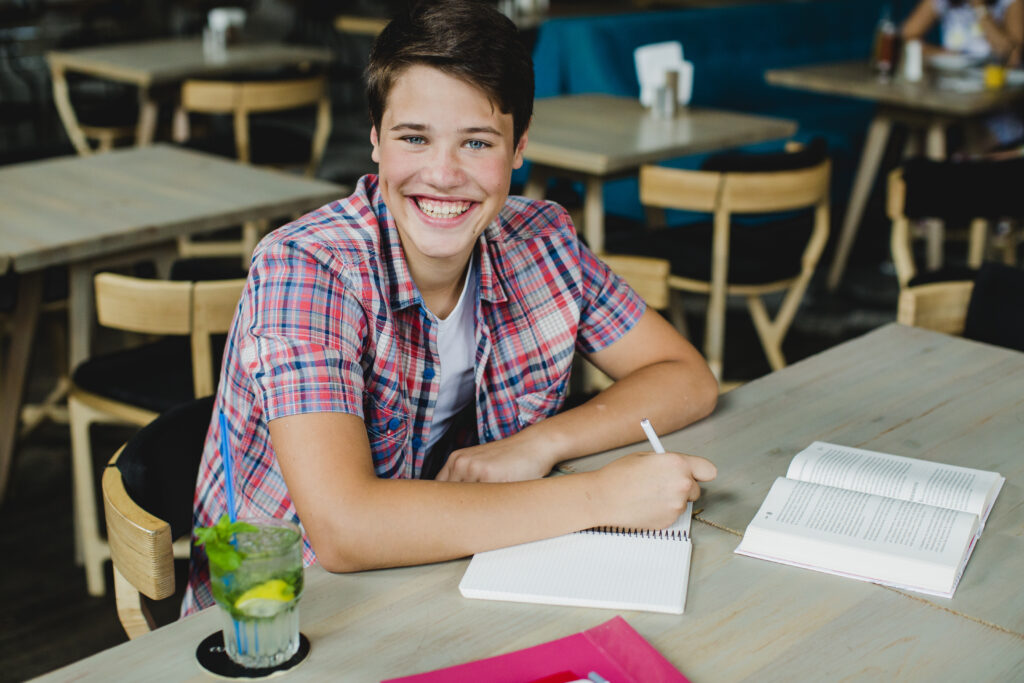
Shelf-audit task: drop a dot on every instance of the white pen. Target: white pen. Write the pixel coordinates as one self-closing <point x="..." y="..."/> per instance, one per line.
<point x="652" y="436"/>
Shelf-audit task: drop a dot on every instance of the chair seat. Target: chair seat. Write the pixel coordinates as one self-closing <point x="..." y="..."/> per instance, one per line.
<point x="950" y="273"/>
<point x="155" y="376"/>
<point x="759" y="252"/>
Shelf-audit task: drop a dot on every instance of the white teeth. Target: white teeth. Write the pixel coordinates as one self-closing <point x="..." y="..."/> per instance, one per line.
<point x="442" y="209"/>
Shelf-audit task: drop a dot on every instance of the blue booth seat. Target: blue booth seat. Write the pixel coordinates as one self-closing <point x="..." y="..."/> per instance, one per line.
<point x="731" y="47"/>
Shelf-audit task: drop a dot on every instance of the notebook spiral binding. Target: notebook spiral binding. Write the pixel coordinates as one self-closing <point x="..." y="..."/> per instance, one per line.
<point x="667" y="534"/>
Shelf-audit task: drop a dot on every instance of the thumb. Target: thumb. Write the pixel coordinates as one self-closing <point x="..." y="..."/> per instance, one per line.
<point x="702" y="468"/>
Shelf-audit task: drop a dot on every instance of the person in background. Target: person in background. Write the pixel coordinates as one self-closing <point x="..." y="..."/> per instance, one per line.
<point x="979" y="29"/>
<point x="984" y="31"/>
<point x="395" y="373"/>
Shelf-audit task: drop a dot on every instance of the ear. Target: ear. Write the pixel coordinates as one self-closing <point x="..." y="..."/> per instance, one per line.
<point x="375" y="141"/>
<point x="517" y="160"/>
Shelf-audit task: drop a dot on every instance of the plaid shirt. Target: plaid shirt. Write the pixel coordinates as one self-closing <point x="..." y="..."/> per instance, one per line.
<point x="331" y="321"/>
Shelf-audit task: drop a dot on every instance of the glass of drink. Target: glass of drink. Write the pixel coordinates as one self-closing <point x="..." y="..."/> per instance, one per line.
<point x="258" y="592"/>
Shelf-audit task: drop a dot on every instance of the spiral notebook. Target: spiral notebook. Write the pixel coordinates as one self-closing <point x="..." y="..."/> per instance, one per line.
<point x="601" y="567"/>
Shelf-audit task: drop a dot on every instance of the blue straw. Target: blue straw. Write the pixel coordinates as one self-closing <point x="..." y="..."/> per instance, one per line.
<point x="229" y="471"/>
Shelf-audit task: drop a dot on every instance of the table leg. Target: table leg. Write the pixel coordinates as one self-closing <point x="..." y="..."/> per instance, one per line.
<point x="934" y="228"/>
<point x="145" y="130"/>
<point x="874" y="148"/>
<point x="80" y="309"/>
<point x="593" y="214"/>
<point x="26" y="314"/>
<point x="62" y="100"/>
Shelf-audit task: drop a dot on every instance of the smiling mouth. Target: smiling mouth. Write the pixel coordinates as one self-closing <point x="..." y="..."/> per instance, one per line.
<point x="436" y="208"/>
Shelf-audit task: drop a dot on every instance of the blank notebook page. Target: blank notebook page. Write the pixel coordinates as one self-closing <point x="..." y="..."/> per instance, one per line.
<point x="618" y="570"/>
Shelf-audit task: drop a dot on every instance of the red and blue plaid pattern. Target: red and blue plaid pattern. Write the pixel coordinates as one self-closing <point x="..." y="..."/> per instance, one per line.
<point x="331" y="321"/>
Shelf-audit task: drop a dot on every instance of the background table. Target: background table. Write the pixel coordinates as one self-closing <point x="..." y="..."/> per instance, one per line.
<point x="161" y="62"/>
<point x="899" y="389"/>
<point x="924" y="106"/>
<point x="86" y="211"/>
<point x="595" y="138"/>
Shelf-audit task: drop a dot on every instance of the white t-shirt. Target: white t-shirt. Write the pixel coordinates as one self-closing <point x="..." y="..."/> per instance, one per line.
<point x="456" y="346"/>
<point x="960" y="29"/>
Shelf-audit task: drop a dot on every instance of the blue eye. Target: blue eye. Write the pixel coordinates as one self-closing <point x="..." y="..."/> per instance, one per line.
<point x="415" y="139"/>
<point x="477" y="144"/>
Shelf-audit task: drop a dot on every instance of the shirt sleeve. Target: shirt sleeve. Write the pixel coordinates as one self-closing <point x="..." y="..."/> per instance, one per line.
<point x="610" y="308"/>
<point x="301" y="335"/>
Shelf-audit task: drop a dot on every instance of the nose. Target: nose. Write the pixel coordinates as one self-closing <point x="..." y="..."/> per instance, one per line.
<point x="443" y="169"/>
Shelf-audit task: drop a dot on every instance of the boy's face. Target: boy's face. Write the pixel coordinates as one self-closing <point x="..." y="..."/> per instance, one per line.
<point x="445" y="157"/>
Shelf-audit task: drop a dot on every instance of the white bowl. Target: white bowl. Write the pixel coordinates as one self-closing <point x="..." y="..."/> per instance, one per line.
<point x="951" y="61"/>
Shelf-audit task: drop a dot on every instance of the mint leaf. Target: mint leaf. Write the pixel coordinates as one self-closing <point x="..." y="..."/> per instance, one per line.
<point x="217" y="539"/>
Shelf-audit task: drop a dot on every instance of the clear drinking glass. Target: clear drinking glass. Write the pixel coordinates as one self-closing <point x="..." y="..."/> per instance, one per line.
<point x="260" y="599"/>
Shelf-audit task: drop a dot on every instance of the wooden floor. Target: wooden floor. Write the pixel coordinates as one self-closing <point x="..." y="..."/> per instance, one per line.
<point x="48" y="620"/>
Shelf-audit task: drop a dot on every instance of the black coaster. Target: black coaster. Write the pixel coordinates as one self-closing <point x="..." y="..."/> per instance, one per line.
<point x="212" y="656"/>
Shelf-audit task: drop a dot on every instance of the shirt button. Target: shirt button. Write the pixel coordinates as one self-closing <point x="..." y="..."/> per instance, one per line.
<point x="393" y="424"/>
<point x="428" y="373"/>
<point x="416" y="442"/>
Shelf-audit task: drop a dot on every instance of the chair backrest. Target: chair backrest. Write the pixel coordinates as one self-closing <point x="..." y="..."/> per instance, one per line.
<point x="197" y="309"/>
<point x="148" y="488"/>
<point x="241" y="98"/>
<point x="967" y="192"/>
<point x="939" y="306"/>
<point x="724" y="193"/>
<point x="648" y="276"/>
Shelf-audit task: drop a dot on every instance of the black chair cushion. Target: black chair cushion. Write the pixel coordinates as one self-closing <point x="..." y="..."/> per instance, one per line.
<point x="760" y="251"/>
<point x="159" y="464"/>
<point x="811" y="154"/>
<point x="277" y="143"/>
<point x="155" y="376"/>
<point x="995" y="313"/>
<point x="948" y="273"/>
<point x="201" y="268"/>
<point x="961" y="190"/>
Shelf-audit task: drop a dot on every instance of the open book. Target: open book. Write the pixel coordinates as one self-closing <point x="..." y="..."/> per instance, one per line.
<point x="612" y="568"/>
<point x="897" y="521"/>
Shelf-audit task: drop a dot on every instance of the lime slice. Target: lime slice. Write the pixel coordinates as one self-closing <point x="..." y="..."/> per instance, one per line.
<point x="266" y="599"/>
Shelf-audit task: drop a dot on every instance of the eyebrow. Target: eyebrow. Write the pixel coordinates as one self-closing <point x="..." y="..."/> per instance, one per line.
<point x="472" y="130"/>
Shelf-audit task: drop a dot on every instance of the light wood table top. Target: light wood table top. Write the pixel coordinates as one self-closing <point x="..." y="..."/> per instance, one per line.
<point x="857" y="79"/>
<point x="162" y="61"/>
<point x="595" y="138"/>
<point x="58" y="211"/>
<point x="745" y="619"/>
<point x="604" y="134"/>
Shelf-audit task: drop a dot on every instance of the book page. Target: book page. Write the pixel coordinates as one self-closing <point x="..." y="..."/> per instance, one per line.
<point x="894" y="476"/>
<point x="862" y="535"/>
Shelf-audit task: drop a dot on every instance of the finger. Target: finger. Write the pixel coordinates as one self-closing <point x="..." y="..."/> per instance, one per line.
<point x="702" y="468"/>
<point x="694" y="493"/>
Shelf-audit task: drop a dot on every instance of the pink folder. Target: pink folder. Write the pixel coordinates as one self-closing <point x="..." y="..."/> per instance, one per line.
<point x="612" y="649"/>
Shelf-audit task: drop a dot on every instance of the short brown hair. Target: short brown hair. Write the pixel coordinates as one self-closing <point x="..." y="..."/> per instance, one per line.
<point x="467" y="39"/>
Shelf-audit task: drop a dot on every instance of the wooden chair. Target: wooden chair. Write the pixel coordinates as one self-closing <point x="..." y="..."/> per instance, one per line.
<point x="278" y="146"/>
<point x="648" y="276"/>
<point x="931" y="194"/>
<point x="148" y="487"/>
<point x="134" y="385"/>
<point x="751" y="260"/>
<point x="938" y="306"/>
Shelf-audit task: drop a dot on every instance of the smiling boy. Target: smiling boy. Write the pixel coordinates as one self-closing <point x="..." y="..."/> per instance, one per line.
<point x="394" y="374"/>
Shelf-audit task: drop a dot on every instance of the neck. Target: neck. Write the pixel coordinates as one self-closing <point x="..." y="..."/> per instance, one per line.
<point x="440" y="286"/>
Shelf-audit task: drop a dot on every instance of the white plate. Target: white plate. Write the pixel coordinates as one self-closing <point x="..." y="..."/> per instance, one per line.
<point x="950" y="61"/>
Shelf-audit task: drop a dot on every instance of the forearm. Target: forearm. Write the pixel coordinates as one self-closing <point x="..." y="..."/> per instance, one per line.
<point x="390" y="522"/>
<point x="672" y="394"/>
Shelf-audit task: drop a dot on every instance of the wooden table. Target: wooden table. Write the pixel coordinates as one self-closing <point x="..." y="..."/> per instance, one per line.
<point x="86" y="211"/>
<point x="898" y="389"/>
<point x="595" y="138"/>
<point x="156" y="63"/>
<point x="926" y="106"/>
